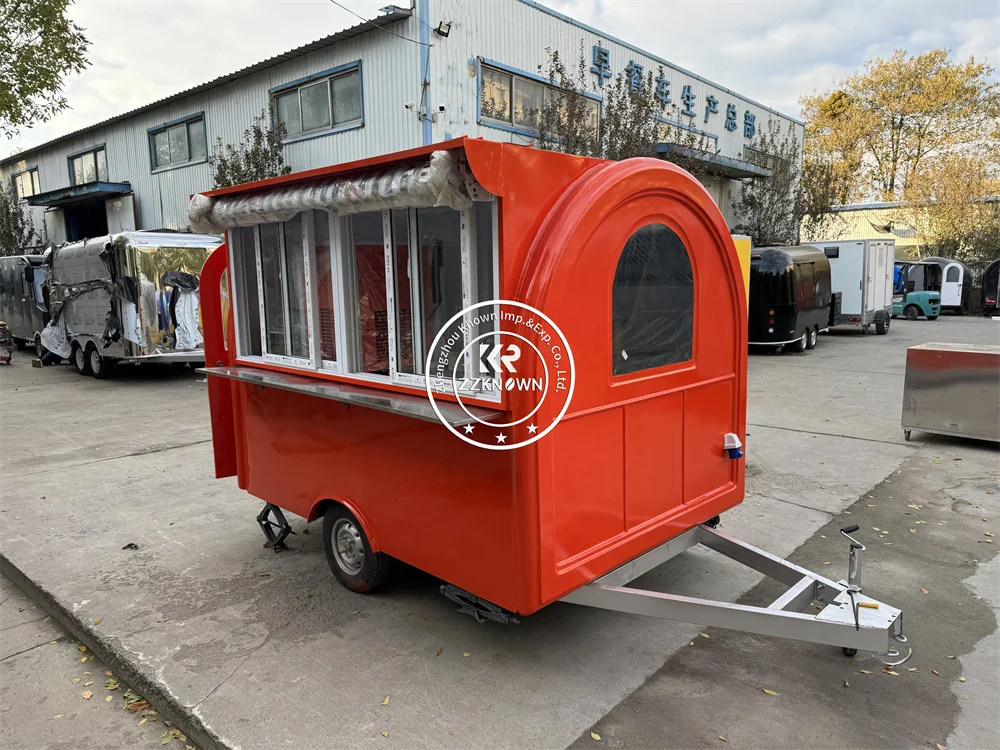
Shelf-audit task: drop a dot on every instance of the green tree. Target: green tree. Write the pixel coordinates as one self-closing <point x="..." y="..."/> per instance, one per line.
<point x="877" y="128"/>
<point x="257" y="156"/>
<point x="17" y="229"/>
<point x="39" y="47"/>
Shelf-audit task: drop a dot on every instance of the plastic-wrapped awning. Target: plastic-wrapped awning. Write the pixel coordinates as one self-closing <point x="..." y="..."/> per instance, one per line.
<point x="444" y="180"/>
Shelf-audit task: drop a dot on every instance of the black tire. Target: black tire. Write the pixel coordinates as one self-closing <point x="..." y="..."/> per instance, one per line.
<point x="881" y="326"/>
<point x="911" y="312"/>
<point x="78" y="356"/>
<point x="813" y="338"/>
<point x="906" y="435"/>
<point x="849" y="651"/>
<point x="932" y="317"/>
<point x="342" y="538"/>
<point x="802" y="344"/>
<point x="40" y="349"/>
<point x="101" y="367"/>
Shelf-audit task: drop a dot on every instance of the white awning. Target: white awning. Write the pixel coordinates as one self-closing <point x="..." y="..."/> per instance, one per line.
<point x="443" y="181"/>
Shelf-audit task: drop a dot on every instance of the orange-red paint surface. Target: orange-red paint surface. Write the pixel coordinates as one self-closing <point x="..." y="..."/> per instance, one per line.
<point x="638" y="458"/>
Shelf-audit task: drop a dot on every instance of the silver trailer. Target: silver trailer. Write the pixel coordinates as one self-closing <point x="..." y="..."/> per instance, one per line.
<point x="129" y="297"/>
<point x="22" y="299"/>
<point x="861" y="274"/>
<point x="952" y="389"/>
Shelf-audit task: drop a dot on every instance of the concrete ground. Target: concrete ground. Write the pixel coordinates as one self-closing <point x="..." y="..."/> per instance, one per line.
<point x="245" y="648"/>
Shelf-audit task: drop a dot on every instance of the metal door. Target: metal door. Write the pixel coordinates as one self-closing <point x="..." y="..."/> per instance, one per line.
<point x="951" y="286"/>
<point x="873" y="255"/>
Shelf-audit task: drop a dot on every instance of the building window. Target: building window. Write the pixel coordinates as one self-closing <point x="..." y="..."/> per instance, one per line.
<point x="26" y="183"/>
<point x="652" y="304"/>
<point x="323" y="103"/>
<point x="508" y="99"/>
<point x="179" y="143"/>
<point x="90" y="166"/>
<point x="364" y="294"/>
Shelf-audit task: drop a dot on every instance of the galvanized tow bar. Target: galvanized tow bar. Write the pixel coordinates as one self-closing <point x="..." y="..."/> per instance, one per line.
<point x="848" y="619"/>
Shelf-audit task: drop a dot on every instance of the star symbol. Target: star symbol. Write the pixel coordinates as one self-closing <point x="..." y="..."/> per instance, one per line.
<point x="469" y="428"/>
<point x="501" y="438"/>
<point x="532" y="429"/>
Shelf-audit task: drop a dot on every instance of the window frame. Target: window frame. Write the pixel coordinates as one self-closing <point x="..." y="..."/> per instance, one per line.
<point x="32" y="172"/>
<point x="515" y="74"/>
<point x="89" y="151"/>
<point x="327" y="77"/>
<point x="349" y="358"/>
<point x="186" y="122"/>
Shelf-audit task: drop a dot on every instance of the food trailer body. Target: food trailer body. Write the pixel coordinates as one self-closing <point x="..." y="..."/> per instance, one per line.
<point x="130" y="297"/>
<point x="861" y="273"/>
<point x="22" y="300"/>
<point x="790" y="296"/>
<point x="956" y="284"/>
<point x="342" y="277"/>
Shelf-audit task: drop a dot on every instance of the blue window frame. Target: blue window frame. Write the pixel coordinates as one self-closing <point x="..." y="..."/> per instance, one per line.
<point x="322" y="103"/>
<point x="89" y="165"/>
<point x="178" y="143"/>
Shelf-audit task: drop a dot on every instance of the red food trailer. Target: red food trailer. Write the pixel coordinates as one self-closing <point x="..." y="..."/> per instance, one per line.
<point x="523" y="372"/>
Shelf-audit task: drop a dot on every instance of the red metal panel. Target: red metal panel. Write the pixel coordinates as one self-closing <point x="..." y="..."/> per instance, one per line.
<point x="220" y="399"/>
<point x="708" y="416"/>
<point x="654" y="458"/>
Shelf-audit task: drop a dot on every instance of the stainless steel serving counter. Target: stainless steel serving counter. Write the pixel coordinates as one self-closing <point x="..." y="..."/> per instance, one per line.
<point x="372" y="398"/>
<point x="953" y="389"/>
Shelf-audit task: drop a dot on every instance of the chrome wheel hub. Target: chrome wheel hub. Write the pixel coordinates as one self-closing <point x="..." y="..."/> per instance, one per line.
<point x="348" y="548"/>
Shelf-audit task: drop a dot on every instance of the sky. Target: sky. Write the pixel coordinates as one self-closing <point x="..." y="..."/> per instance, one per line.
<point x="770" y="51"/>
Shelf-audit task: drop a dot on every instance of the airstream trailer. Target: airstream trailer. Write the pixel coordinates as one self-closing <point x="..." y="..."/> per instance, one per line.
<point x="989" y="297"/>
<point x="956" y="284"/>
<point x="790" y="296"/>
<point x="22" y="299"/>
<point x="129" y="297"/>
<point x="372" y="362"/>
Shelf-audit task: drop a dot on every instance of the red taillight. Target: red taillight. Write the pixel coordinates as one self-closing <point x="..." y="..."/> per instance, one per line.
<point x="770" y="321"/>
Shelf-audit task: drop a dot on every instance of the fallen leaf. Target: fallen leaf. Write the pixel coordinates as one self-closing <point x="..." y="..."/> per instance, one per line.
<point x="81" y="648"/>
<point x="915" y="507"/>
<point x="876" y="528"/>
<point x="87" y="684"/>
<point x="936" y="672"/>
<point x="83" y="659"/>
<point x="137" y="706"/>
<point x="963" y="697"/>
<point x="109" y="698"/>
<point x="846" y="684"/>
<point x="913" y="531"/>
<point x="704" y="635"/>
<point x="691" y="643"/>
<point x="989" y="533"/>
<point x="438" y="652"/>
<point x="961" y="679"/>
<point x="111" y="684"/>
<point x="386" y="701"/>
<point x="723" y="738"/>
<point x="86" y="673"/>
<point x="951" y="657"/>
<point x="770" y="692"/>
<point x="76" y="680"/>
<point x="939" y="746"/>
<point x="888" y="670"/>
<point x="58" y="716"/>
<point x="87" y="694"/>
<point x="826" y="563"/>
<point x="595" y="736"/>
<point x="912" y="669"/>
<point x="142" y="721"/>
<point x="98" y="620"/>
<point x="865" y="671"/>
<point x="52" y="643"/>
<point x="385" y="734"/>
<point x="925" y="591"/>
<point x="107" y="672"/>
<point x="466" y="653"/>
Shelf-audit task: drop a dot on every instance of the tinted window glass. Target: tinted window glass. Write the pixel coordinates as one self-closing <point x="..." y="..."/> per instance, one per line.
<point x="952" y="274"/>
<point x="652" y="302"/>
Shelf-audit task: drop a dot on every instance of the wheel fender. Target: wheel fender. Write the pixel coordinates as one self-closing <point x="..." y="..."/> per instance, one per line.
<point x="366" y="525"/>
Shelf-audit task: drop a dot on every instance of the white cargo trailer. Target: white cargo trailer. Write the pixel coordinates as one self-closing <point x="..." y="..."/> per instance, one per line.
<point x="132" y="296"/>
<point x="861" y="274"/>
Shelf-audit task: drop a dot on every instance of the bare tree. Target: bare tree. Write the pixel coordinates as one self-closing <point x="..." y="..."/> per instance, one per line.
<point x="769" y="208"/>
<point x="17" y="228"/>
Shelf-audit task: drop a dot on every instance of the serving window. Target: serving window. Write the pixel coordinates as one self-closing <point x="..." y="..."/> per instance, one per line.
<point x="362" y="295"/>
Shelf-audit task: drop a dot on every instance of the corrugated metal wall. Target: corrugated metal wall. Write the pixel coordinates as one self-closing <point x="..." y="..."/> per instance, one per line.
<point x="510" y="32"/>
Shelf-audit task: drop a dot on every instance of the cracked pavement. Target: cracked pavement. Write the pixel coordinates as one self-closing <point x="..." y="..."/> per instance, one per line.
<point x="251" y="649"/>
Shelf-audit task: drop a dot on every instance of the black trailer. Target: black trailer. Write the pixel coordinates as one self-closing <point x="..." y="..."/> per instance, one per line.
<point x="989" y="300"/>
<point x="790" y="296"/>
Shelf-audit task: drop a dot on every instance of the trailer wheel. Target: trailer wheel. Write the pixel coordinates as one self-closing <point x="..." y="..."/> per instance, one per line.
<point x="101" y="367"/>
<point x="849" y="651"/>
<point x="40" y="349"/>
<point x="911" y="312"/>
<point x="349" y="554"/>
<point x="813" y="338"/>
<point x="881" y="326"/>
<point x="802" y="344"/>
<point x="80" y="360"/>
